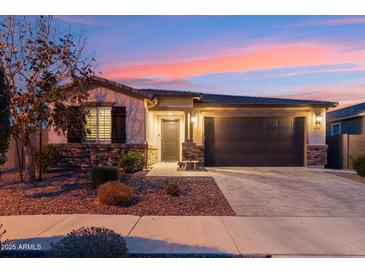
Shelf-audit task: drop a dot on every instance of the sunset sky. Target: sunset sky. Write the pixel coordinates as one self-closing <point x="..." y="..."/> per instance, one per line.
<point x="308" y="57"/>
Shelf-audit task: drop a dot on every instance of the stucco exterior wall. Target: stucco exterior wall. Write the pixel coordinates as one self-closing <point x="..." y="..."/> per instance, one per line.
<point x="135" y="110"/>
<point x="175" y="102"/>
<point x="316" y="134"/>
<point x="12" y="162"/>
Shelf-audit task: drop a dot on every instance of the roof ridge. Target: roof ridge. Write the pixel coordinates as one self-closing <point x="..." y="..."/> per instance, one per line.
<point x="233" y="95"/>
<point x="117" y="84"/>
<point x="169" y="90"/>
<point x="264" y="97"/>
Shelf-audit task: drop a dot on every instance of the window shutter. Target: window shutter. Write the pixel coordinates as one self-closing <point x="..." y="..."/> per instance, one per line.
<point x="118" y="125"/>
<point x="75" y="126"/>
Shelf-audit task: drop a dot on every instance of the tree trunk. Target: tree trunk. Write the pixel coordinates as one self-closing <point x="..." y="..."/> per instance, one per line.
<point x="20" y="162"/>
<point x="29" y="164"/>
<point x="40" y="154"/>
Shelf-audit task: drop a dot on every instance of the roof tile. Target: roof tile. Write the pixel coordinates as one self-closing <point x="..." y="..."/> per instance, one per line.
<point x="345" y="112"/>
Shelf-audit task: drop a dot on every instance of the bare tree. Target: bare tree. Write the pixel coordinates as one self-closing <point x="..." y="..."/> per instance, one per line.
<point x="38" y="58"/>
<point x="5" y="128"/>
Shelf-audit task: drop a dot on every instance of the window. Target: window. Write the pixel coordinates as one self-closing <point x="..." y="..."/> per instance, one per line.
<point x="98" y="125"/>
<point x="335" y="129"/>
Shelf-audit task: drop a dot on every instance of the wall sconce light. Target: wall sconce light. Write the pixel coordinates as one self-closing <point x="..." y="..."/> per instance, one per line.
<point x="318" y="119"/>
<point x="194" y="119"/>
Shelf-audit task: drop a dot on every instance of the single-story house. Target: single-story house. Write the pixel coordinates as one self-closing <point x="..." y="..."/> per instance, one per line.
<point x="345" y="135"/>
<point x="214" y="129"/>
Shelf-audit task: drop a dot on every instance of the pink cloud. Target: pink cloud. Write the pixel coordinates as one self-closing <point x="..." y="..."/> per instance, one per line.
<point x="254" y="59"/>
<point x="345" y="95"/>
<point x="159" y="83"/>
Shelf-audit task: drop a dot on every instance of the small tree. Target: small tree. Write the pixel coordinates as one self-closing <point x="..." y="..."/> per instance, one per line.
<point x="4" y="118"/>
<point x="38" y="58"/>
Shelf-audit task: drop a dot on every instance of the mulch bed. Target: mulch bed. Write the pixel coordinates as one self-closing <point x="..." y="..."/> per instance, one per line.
<point x="71" y="193"/>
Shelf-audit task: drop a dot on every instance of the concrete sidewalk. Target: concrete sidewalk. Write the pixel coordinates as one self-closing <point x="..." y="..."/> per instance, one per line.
<point x="225" y="236"/>
<point x="169" y="169"/>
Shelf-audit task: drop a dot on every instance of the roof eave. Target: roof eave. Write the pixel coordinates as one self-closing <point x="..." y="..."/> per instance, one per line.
<point x="222" y="105"/>
<point x="179" y="96"/>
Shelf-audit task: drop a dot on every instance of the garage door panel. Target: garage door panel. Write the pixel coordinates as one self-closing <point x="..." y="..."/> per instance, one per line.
<point x="253" y="147"/>
<point x="231" y="136"/>
<point x="238" y="141"/>
<point x="264" y="159"/>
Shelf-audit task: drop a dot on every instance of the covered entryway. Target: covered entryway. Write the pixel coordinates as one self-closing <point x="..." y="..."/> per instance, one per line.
<point x="243" y="141"/>
<point x="170" y="141"/>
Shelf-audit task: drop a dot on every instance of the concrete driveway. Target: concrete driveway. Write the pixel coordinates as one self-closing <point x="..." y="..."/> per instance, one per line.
<point x="290" y="192"/>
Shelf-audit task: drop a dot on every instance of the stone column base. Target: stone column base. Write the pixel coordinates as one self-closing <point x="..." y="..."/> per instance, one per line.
<point x="316" y="155"/>
<point x="91" y="155"/>
<point x="193" y="152"/>
<point x="152" y="155"/>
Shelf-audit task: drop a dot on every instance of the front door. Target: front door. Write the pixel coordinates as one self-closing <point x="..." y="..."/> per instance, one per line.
<point x="170" y="141"/>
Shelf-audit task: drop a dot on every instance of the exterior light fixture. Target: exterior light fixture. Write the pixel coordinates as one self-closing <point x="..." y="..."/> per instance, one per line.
<point x="194" y="119"/>
<point x="318" y="118"/>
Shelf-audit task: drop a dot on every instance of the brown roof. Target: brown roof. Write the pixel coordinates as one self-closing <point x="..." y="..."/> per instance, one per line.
<point x="346" y="112"/>
<point x="205" y="98"/>
<point x="99" y="81"/>
<point x="220" y="99"/>
<point x="171" y="93"/>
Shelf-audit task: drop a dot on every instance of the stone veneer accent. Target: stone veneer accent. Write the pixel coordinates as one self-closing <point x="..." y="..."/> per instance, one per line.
<point x="152" y="155"/>
<point x="90" y="155"/>
<point x="193" y="152"/>
<point x="316" y="155"/>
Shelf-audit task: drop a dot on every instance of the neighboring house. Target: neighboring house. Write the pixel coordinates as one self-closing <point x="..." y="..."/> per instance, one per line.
<point x="345" y="135"/>
<point x="216" y="130"/>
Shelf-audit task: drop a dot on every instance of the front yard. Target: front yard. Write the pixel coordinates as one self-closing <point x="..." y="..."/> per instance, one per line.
<point x="71" y="193"/>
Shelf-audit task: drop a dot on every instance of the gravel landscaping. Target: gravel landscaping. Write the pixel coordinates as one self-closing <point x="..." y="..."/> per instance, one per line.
<point x="71" y="193"/>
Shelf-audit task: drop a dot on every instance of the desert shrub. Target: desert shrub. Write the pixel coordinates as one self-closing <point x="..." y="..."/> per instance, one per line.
<point x="172" y="189"/>
<point x="51" y="157"/>
<point x="131" y="162"/>
<point x="103" y="174"/>
<point x="358" y="163"/>
<point x="90" y="242"/>
<point x="114" y="193"/>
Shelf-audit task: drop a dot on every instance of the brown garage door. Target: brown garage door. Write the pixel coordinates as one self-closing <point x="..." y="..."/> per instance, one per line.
<point x="238" y="141"/>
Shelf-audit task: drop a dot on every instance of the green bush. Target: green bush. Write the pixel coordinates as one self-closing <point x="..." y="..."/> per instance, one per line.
<point x="172" y="189"/>
<point x="103" y="174"/>
<point x="51" y="157"/>
<point x="90" y="242"/>
<point x="131" y="162"/>
<point x="358" y="163"/>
